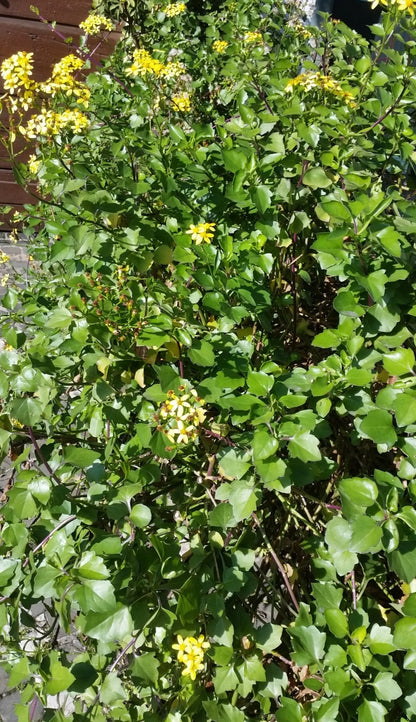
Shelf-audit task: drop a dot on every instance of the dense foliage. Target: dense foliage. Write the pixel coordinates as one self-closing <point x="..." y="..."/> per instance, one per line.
<point x="208" y="378"/>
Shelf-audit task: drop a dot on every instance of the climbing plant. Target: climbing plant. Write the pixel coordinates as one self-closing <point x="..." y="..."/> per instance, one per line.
<point x="208" y="376"/>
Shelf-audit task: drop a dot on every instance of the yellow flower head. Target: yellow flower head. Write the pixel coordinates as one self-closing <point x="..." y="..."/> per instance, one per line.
<point x="48" y="123"/>
<point x="219" y="46"/>
<point x="402" y="5"/>
<point x="33" y="164"/>
<point x="93" y="24"/>
<point x="182" y="102"/>
<point x="190" y="653"/>
<point x="319" y="81"/>
<point x="16" y="71"/>
<point x="180" y="415"/>
<point x="143" y="63"/>
<point x="203" y="232"/>
<point x="253" y="37"/>
<point x="174" y="9"/>
<point x="4" y="258"/>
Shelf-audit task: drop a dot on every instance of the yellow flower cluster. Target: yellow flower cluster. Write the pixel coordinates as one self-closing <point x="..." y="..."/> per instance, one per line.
<point x="201" y="232"/>
<point x="33" y="164"/>
<point x="174" y="9"/>
<point x="219" y="46"/>
<point x="182" y="102"/>
<point x="180" y="415"/>
<point x="93" y="24"/>
<point x="4" y="258"/>
<point x="62" y="80"/>
<point x="253" y="37"/>
<point x="402" y="5"/>
<point x="16" y="71"/>
<point x="301" y="30"/>
<point x="48" y="123"/>
<point x="190" y="652"/>
<point x="311" y="81"/>
<point x="173" y="69"/>
<point x="144" y="63"/>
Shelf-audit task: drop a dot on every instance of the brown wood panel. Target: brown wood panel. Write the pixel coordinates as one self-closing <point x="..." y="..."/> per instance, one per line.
<point x="47" y="46"/>
<point x="70" y="12"/>
<point x="10" y="192"/>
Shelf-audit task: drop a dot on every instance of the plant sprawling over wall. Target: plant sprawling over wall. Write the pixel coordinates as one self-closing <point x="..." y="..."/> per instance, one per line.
<point x="208" y="376"/>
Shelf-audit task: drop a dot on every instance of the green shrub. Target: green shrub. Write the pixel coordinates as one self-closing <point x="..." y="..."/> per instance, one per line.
<point x="208" y="381"/>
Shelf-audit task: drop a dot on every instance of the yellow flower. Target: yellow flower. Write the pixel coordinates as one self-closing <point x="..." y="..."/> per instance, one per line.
<point x="5" y="279"/>
<point x="93" y="24"/>
<point x="190" y="652"/>
<point x="409" y="5"/>
<point x="253" y="37"/>
<point x="174" y="9"/>
<point x="16" y="71"/>
<point x="63" y="80"/>
<point x="33" y="164"/>
<point x="4" y="258"/>
<point x="310" y="81"/>
<point x="219" y="46"/>
<point x="48" y="123"/>
<point x="180" y="415"/>
<point x="182" y="102"/>
<point x="201" y="232"/>
<point x="172" y="70"/>
<point x="144" y="63"/>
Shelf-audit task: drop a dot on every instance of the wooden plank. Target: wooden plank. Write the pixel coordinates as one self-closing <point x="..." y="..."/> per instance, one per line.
<point x="47" y="46"/>
<point x="10" y="192"/>
<point x="69" y="12"/>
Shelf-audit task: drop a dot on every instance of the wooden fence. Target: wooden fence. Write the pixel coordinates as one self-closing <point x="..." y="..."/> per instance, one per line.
<point x="21" y="29"/>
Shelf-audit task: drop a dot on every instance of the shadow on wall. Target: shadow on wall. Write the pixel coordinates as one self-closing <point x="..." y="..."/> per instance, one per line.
<point x="357" y="14"/>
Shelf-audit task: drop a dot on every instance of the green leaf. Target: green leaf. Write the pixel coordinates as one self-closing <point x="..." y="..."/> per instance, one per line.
<point x="79" y="456"/>
<point x="304" y="446"/>
<point x="233" y="463"/>
<point x="337" y="622"/>
<point x="225" y="679"/>
<point x="234" y="160"/>
<point x="60" y="678"/>
<point x="380" y="640"/>
<point x="338" y="538"/>
<point x="222" y="712"/>
<point x="112" y="690"/>
<point x="243" y="499"/>
<point x="399" y="362"/>
<point x="404" y="634"/>
<point x="145" y="667"/>
<point x="371" y="712"/>
<point x="385" y="687"/>
<point x="366" y="535"/>
<point x="262" y="198"/>
<point x="91" y="566"/>
<point x="140" y="515"/>
<point x="259" y="383"/>
<point x="93" y="595"/>
<point x="201" y="353"/>
<point x="359" y="491"/>
<point x="378" y="426"/>
<point x="289" y="711"/>
<point x="108" y="627"/>
<point x="268" y="637"/>
<point x="59" y="318"/>
<point x="264" y="445"/>
<point x="309" y="644"/>
<point x="404" y="407"/>
<point x="28" y="411"/>
<point x="316" y="178"/>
